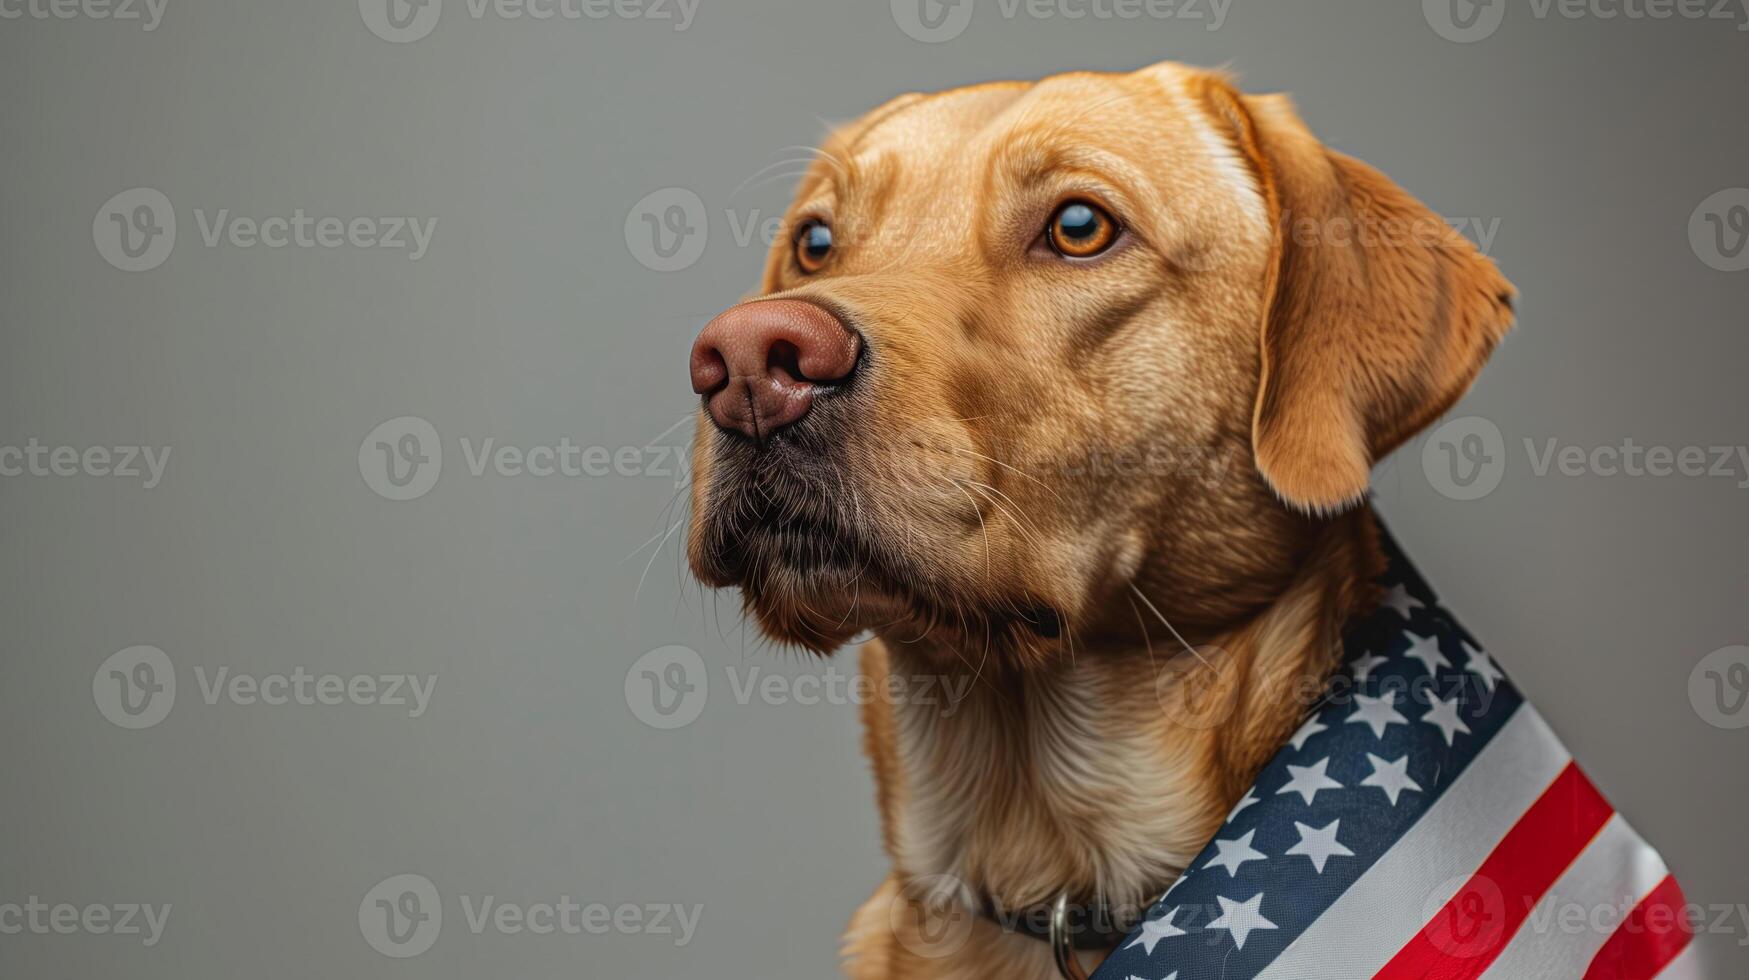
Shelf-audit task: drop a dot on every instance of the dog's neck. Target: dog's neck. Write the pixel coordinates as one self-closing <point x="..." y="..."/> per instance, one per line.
<point x="1106" y="774"/>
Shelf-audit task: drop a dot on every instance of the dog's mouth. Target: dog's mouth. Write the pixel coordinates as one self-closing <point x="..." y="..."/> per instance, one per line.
<point x="767" y="531"/>
<point x="820" y="558"/>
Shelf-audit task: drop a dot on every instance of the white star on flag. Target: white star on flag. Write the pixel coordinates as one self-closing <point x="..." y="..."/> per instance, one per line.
<point x="1173" y="976"/>
<point x="1154" y="930"/>
<point x="1241" y="918"/>
<point x="1234" y="853"/>
<point x="1308" y="780"/>
<point x="1240" y="806"/>
<point x="1444" y="716"/>
<point x="1319" y="845"/>
<point x="1312" y="727"/>
<point x="1364" y="667"/>
<point x="1426" y="650"/>
<point x="1400" y="600"/>
<point x="1483" y="667"/>
<point x="1392" y="777"/>
<point x="1377" y="713"/>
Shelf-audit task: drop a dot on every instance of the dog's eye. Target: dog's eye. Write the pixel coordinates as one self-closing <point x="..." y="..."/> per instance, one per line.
<point x="1080" y="231"/>
<point x="813" y="245"/>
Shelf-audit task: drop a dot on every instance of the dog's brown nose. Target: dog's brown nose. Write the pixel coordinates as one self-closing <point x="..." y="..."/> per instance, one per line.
<point x="759" y="364"/>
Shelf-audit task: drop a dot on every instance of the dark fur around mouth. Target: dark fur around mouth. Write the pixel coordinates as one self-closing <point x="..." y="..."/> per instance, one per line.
<point x="786" y="522"/>
<point x="783" y="502"/>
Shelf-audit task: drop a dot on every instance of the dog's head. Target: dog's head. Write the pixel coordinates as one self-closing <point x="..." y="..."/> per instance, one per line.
<point x="1024" y="346"/>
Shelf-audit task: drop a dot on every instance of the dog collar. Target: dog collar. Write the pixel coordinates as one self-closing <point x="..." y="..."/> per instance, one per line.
<point x="1066" y="926"/>
<point x="1423" y="821"/>
<point x="1080" y="925"/>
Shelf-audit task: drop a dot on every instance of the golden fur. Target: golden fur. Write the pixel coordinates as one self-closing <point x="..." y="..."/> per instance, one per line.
<point x="1046" y="471"/>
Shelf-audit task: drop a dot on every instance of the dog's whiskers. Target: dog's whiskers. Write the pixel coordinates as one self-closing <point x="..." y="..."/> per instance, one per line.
<point x="657" y="553"/>
<point x="1147" y="640"/>
<point x="1006" y="466"/>
<point x="981" y="525"/>
<point x="1021" y="524"/>
<point x="1173" y="629"/>
<point x="813" y="154"/>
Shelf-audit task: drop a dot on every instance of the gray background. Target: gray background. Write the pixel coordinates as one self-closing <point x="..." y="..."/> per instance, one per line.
<point x="1589" y="141"/>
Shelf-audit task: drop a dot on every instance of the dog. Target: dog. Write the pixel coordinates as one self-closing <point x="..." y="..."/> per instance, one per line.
<point x="1073" y="387"/>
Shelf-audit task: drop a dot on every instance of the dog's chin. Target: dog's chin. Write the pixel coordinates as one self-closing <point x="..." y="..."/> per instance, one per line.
<point x="807" y="583"/>
<point x="811" y="584"/>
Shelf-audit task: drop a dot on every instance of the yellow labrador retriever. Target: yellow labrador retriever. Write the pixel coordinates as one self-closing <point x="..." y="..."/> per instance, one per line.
<point x="1047" y="384"/>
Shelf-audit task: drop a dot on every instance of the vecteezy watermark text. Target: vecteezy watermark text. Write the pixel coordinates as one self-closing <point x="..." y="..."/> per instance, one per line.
<point x="136" y="688"/>
<point x="1468" y="21"/>
<point x="667" y="688"/>
<point x="401" y="459"/>
<point x="404" y="21"/>
<point x="1467" y="458"/>
<point x="935" y="21"/>
<point x="41" y="918"/>
<point x="1370" y="229"/>
<point x="37" y="459"/>
<point x="136" y="230"/>
<point x="402" y="916"/>
<point x="148" y="13"/>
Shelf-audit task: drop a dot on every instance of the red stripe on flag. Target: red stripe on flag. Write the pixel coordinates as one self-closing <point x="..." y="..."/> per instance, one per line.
<point x="1462" y="938"/>
<point x="1648" y="939"/>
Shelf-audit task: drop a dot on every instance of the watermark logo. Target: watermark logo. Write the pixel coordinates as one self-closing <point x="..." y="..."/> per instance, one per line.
<point x="400" y="21"/>
<point x="401" y="458"/>
<point x="667" y="687"/>
<point x="932" y="21"/>
<point x="401" y="915"/>
<point x="667" y="230"/>
<point x="1465" y="458"/>
<point x="135" y="688"/>
<point x="1469" y="924"/>
<point x="1464" y="21"/>
<point x="135" y="230"/>
<point x="1718" y="231"/>
<point x="1195" y="689"/>
<point x="1718" y="688"/>
<point x="930" y="917"/>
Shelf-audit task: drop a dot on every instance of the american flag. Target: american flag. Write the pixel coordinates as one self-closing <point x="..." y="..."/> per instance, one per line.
<point x="1423" y="822"/>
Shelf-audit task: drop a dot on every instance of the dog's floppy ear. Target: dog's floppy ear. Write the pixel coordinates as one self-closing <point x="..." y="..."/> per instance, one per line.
<point x="1377" y="317"/>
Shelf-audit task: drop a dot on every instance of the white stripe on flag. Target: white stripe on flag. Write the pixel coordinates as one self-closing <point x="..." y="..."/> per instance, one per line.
<point x="1583" y="907"/>
<point x="1690" y="964"/>
<point x="1388" y="905"/>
